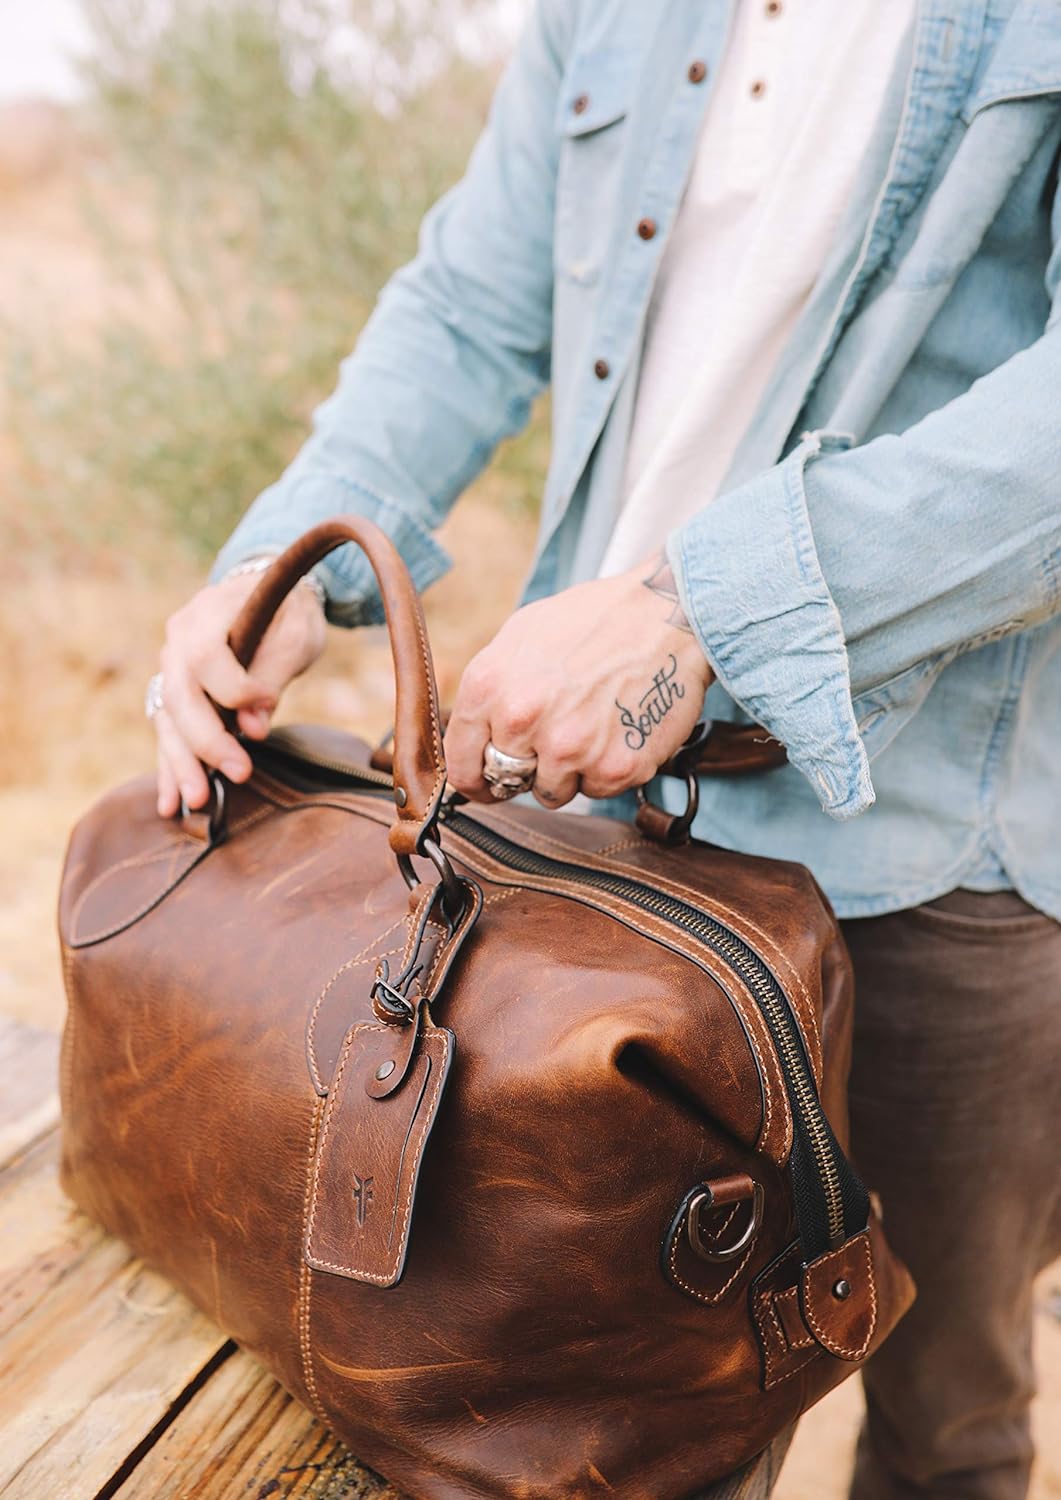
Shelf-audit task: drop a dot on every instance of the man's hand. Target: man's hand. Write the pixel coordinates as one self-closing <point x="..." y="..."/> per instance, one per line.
<point x="603" y="683"/>
<point x="197" y="666"/>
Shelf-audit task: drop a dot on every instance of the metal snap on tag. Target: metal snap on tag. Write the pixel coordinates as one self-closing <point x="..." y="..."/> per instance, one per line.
<point x="385" y="1069"/>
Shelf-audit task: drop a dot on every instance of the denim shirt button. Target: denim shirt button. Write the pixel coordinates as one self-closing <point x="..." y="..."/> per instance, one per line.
<point x="602" y="369"/>
<point x="581" y="104"/>
<point x="697" y="71"/>
<point x="647" y="229"/>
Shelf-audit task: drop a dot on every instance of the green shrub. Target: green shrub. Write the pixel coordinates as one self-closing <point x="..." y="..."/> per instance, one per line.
<point x="248" y="206"/>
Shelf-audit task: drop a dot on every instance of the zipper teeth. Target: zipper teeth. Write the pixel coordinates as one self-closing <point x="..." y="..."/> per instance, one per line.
<point x="754" y="972"/>
<point x="341" y="768"/>
<point x="747" y="964"/>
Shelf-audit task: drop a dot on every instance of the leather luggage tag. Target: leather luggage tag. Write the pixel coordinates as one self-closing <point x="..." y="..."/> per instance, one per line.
<point x="369" y="1154"/>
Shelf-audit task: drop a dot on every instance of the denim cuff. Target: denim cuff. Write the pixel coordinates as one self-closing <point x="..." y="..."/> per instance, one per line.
<point x="751" y="585"/>
<point x="279" y="516"/>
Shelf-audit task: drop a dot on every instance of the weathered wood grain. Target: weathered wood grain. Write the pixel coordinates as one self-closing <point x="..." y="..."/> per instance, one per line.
<point x="29" y="1101"/>
<point x="94" y="1349"/>
<point x="243" y="1438"/>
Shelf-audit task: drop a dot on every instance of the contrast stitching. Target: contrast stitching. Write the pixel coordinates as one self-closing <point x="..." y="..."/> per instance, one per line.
<point x="791" y="1294"/>
<point x="388" y="1276"/>
<point x="621" y="844"/>
<point x="832" y="1344"/>
<point x="311" y="1040"/>
<point x="762" y="1306"/>
<point x="436" y="735"/>
<point x="154" y="856"/>
<point x="443" y="952"/>
<point x="156" y="853"/>
<point x="367" y="953"/>
<point x="708" y="1297"/>
<point x="714" y="1235"/>
<point x="66" y="1064"/>
<point x="770" y="1308"/>
<point x="424" y="899"/>
<point x="305" y="1280"/>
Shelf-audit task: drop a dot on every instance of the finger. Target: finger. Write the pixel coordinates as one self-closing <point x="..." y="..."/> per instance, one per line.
<point x="254" y="722"/>
<point x="197" y="723"/>
<point x="464" y="744"/>
<point x="186" y="769"/>
<point x="554" y="786"/>
<point x="618" y="770"/>
<point x="169" y="796"/>
<point x="221" y="675"/>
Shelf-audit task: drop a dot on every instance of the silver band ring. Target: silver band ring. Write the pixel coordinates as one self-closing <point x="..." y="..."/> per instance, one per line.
<point x="153" y="700"/>
<point x="508" y="775"/>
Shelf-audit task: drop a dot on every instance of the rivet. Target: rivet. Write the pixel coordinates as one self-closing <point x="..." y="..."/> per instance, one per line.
<point x="401" y="796"/>
<point x="385" y="1069"/>
<point x="842" y="1290"/>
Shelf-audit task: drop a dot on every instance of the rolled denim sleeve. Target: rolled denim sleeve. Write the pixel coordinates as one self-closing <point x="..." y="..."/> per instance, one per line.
<point x="453" y="356"/>
<point x="752" y="585"/>
<point x="816" y="585"/>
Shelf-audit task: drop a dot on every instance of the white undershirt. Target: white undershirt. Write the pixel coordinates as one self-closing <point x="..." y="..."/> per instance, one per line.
<point x="792" y="112"/>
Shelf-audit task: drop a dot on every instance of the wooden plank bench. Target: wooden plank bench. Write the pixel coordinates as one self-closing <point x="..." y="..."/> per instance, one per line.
<point x="113" y="1387"/>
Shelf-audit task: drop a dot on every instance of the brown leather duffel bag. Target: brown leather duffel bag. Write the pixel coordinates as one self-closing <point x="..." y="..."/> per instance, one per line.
<point x="522" y="1165"/>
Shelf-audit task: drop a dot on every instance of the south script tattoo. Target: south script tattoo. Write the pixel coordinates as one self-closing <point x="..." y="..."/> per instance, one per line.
<point x="653" y="706"/>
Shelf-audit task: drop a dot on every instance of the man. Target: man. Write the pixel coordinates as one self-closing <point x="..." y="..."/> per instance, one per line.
<point x="793" y="270"/>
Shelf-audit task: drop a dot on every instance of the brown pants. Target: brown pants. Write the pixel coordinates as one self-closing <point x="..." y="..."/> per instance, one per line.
<point x="955" y="1102"/>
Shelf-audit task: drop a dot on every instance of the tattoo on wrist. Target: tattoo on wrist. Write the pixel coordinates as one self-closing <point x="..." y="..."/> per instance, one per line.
<point x="661" y="581"/>
<point x="653" y="706"/>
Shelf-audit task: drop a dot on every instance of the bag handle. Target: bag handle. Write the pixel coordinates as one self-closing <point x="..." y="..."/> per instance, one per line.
<point x="419" y="762"/>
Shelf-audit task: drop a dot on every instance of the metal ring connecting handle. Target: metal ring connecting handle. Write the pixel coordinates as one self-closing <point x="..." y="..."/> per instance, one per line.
<point x="215" y="811"/>
<point x="683" y="764"/>
<point x="680" y="826"/>
<point x="703" y="1199"/>
<point x="452" y="885"/>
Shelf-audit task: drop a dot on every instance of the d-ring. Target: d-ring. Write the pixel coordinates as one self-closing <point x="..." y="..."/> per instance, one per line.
<point x="704" y="1199"/>
<point x="452" y="886"/>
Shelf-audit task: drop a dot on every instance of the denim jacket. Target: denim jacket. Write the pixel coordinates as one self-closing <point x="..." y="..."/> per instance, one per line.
<point x="878" y="582"/>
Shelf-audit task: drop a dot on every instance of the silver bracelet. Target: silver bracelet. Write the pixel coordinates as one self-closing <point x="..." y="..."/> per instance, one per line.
<point x="263" y="561"/>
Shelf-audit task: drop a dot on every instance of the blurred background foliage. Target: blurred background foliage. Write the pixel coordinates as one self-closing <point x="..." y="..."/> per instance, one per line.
<point x="259" y="168"/>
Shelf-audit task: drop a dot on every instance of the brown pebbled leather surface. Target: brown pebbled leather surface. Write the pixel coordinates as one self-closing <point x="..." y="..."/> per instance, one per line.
<point x="536" y="1345"/>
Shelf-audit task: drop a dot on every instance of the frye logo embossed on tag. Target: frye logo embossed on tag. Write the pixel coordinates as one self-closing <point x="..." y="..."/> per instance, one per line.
<point x="362" y="1197"/>
<point x="369" y="1155"/>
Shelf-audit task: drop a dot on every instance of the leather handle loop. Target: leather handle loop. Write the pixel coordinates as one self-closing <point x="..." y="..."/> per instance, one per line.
<point x="419" y="763"/>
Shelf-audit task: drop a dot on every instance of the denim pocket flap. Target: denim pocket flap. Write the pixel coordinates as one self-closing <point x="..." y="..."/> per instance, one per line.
<point x="596" y="93"/>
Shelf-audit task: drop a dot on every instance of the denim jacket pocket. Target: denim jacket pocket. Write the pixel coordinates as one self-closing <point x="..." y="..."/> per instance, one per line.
<point x="882" y="711"/>
<point x="591" y="120"/>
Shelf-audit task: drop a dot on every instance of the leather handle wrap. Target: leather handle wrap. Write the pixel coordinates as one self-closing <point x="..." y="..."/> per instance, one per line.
<point x="419" y="763"/>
